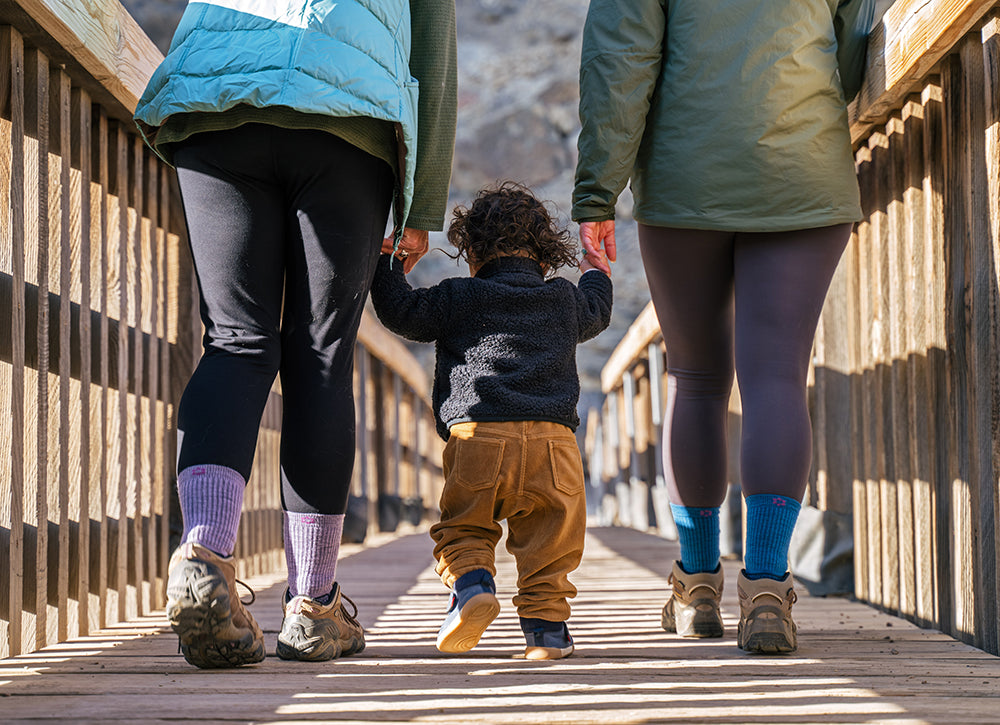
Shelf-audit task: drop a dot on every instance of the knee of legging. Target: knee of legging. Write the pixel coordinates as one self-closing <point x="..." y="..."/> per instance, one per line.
<point x="259" y="348"/>
<point x="703" y="384"/>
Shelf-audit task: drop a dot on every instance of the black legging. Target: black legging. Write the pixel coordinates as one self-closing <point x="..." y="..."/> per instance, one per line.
<point x="285" y="227"/>
<point x="760" y="294"/>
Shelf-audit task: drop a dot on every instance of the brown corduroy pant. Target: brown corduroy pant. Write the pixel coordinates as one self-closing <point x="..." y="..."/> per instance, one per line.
<point x="530" y="474"/>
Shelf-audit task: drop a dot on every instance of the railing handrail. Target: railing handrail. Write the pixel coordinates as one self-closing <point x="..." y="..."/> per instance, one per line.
<point x="104" y="39"/>
<point x="904" y="48"/>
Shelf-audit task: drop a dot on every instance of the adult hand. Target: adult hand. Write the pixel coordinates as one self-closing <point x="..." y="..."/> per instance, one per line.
<point x="412" y="247"/>
<point x="598" y="239"/>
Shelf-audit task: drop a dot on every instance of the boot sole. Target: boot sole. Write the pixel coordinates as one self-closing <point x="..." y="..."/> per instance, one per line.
<point x="200" y="614"/>
<point x="704" y="629"/>
<point x="477" y="614"/>
<point x="547" y="653"/>
<point x="771" y="643"/>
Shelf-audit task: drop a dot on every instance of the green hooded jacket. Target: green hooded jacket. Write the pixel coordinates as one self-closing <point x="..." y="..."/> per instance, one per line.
<point x="728" y="115"/>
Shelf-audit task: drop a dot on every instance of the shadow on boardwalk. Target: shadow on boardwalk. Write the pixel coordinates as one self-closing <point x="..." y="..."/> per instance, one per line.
<point x="855" y="664"/>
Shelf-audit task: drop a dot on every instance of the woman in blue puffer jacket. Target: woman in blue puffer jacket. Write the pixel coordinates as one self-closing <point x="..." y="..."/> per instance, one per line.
<point x="293" y="125"/>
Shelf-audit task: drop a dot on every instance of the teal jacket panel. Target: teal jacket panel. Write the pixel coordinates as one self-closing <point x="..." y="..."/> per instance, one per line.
<point x="730" y="115"/>
<point x="344" y="58"/>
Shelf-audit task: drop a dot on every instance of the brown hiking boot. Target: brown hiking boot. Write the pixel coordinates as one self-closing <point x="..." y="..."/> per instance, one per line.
<point x="214" y="628"/>
<point x="315" y="632"/>
<point x="693" y="607"/>
<point x="766" y="624"/>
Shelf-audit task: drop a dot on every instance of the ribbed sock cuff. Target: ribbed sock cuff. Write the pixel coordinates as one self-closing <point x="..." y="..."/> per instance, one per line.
<point x="698" y="531"/>
<point x="531" y="624"/>
<point x="770" y="521"/>
<point x="476" y="576"/>
<point x="312" y="545"/>
<point x="211" y="500"/>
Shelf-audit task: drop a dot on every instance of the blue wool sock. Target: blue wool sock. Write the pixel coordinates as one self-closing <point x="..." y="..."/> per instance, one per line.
<point x="211" y="502"/>
<point x="770" y="521"/>
<point x="312" y="545"/>
<point x="698" y="531"/>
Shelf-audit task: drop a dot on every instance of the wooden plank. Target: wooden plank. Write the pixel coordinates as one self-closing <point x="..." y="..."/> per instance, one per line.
<point x="991" y="67"/>
<point x="83" y="228"/>
<point x="919" y="443"/>
<point x="982" y="319"/>
<point x="871" y="501"/>
<point x="938" y="374"/>
<point x="960" y="574"/>
<point x="912" y="38"/>
<point x="167" y="435"/>
<point x="118" y="409"/>
<point x="12" y="48"/>
<point x="104" y="39"/>
<point x="156" y="429"/>
<point x="858" y="406"/>
<point x="633" y="344"/>
<point x="138" y="421"/>
<point x="884" y="485"/>
<point x="36" y="187"/>
<point x="895" y="362"/>
<point x="103" y="438"/>
<point x="66" y="438"/>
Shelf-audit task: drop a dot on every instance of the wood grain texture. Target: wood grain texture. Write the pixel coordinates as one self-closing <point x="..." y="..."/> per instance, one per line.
<point x="12" y="49"/>
<point x="991" y="68"/>
<point x="913" y="36"/>
<point x="104" y="38"/>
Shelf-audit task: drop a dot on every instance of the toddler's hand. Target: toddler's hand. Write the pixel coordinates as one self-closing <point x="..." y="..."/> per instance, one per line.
<point x="586" y="265"/>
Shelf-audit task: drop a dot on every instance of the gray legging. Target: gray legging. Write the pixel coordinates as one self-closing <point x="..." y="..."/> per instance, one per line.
<point x="749" y="301"/>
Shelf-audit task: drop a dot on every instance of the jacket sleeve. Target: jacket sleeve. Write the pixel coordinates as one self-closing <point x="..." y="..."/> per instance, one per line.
<point x="593" y="301"/>
<point x="851" y="24"/>
<point x="434" y="63"/>
<point x="419" y="315"/>
<point x="623" y="43"/>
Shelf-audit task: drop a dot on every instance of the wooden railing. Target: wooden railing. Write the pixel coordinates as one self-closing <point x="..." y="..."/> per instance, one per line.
<point x="906" y="379"/>
<point x="99" y="331"/>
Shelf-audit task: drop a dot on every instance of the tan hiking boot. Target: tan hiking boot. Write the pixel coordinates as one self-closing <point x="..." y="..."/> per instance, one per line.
<point x="214" y="628"/>
<point x="766" y="624"/>
<point x="693" y="607"/>
<point x="315" y="632"/>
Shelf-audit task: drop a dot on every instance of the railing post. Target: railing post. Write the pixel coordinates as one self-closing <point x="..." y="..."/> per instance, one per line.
<point x="657" y="401"/>
<point x="639" y="493"/>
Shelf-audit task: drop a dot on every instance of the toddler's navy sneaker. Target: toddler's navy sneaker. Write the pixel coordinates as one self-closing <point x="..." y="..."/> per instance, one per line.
<point x="473" y="606"/>
<point x="546" y="640"/>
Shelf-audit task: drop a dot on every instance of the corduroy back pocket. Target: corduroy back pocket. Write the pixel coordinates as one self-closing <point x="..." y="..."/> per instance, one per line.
<point x="477" y="462"/>
<point x="567" y="468"/>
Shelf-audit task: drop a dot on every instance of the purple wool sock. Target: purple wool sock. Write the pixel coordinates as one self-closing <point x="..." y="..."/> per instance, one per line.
<point x="312" y="544"/>
<point x="211" y="501"/>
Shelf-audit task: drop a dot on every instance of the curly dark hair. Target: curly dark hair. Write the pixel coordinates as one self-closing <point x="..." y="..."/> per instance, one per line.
<point x="507" y="220"/>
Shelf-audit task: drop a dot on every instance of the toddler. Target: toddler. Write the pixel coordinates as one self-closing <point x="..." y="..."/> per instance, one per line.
<point x="505" y="396"/>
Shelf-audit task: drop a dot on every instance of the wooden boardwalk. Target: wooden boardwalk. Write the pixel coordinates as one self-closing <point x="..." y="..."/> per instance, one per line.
<point x="855" y="664"/>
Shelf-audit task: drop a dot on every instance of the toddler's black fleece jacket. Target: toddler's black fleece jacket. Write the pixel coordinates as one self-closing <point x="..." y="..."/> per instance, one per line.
<point x="505" y="339"/>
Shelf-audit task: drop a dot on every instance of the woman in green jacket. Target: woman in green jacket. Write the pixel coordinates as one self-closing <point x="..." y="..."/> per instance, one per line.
<point x="293" y="125"/>
<point x="730" y="119"/>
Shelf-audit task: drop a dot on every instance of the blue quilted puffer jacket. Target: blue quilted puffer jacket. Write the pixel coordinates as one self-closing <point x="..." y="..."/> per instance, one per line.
<point x="340" y="58"/>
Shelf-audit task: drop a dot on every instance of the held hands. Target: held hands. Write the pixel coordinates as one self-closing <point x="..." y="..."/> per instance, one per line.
<point x="412" y="247"/>
<point x="598" y="239"/>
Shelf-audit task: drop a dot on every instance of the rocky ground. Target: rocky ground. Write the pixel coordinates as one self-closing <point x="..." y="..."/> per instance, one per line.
<point x="517" y="119"/>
